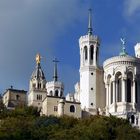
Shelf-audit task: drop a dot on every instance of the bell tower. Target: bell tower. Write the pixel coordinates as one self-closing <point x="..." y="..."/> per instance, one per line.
<point x="37" y="87"/>
<point x="89" y="68"/>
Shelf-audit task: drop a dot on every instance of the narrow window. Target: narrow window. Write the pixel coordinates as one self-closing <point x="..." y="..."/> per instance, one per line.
<point x="17" y="97"/>
<point x="128" y="90"/>
<point x="119" y="90"/>
<point x="72" y="108"/>
<point x="85" y="51"/>
<point x="51" y="93"/>
<point x="55" y="108"/>
<point x="132" y="119"/>
<point x="56" y="93"/>
<point x="91" y="52"/>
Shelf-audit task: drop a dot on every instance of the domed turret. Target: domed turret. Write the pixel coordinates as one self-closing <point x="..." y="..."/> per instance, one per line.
<point x="38" y="80"/>
<point x="38" y="73"/>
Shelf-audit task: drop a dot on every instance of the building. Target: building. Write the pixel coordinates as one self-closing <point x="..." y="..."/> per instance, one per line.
<point x="14" y="98"/>
<point x="113" y="88"/>
<point x="49" y="96"/>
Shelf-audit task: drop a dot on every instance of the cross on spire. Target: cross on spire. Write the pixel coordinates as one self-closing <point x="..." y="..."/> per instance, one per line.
<point x="90" y="23"/>
<point x="55" y="76"/>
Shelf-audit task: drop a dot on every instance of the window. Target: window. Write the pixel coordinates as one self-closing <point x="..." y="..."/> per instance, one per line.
<point x="39" y="97"/>
<point x="17" y="97"/>
<point x="128" y="90"/>
<point x="91" y="52"/>
<point x="44" y="86"/>
<point x="39" y="85"/>
<point x="61" y="93"/>
<point x="34" y="85"/>
<point x="51" y="93"/>
<point x="132" y="119"/>
<point x="56" y="92"/>
<point x="72" y="108"/>
<point x="55" y="108"/>
<point x="85" y="52"/>
<point x="119" y="90"/>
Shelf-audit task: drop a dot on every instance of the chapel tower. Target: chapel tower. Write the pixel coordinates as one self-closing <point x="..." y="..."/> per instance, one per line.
<point x="37" y="87"/>
<point x="90" y="74"/>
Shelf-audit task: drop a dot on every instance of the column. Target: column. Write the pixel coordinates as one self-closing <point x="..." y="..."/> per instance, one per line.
<point x="88" y="51"/>
<point x="124" y="94"/>
<point x="94" y="61"/>
<point x="123" y="90"/>
<point x="116" y="92"/>
<point x="109" y="94"/>
<point x="134" y="93"/>
<point x="107" y="98"/>
<point x="114" y="89"/>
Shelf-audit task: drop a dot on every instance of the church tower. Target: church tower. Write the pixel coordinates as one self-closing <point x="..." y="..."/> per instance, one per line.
<point x="55" y="88"/>
<point x="37" y="87"/>
<point x="90" y="73"/>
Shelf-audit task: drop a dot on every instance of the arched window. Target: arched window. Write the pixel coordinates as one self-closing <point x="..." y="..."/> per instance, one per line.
<point x="119" y="86"/>
<point x="72" y="108"/>
<point x="128" y="90"/>
<point x="85" y="52"/>
<point x="51" y="93"/>
<point x="119" y="90"/>
<point x="44" y="86"/>
<point x="129" y="86"/>
<point x="61" y="93"/>
<point x="34" y="85"/>
<point x="56" y="92"/>
<point x="91" y="52"/>
<point x="39" y="85"/>
<point x="132" y="119"/>
<point x="17" y="97"/>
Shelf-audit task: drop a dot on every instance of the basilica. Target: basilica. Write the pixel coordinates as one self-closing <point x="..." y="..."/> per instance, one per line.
<point x="111" y="89"/>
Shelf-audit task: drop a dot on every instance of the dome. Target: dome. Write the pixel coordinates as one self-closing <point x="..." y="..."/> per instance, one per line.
<point x="120" y="60"/>
<point x="38" y="73"/>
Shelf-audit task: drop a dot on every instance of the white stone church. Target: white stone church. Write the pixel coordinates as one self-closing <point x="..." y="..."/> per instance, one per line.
<point x="113" y="89"/>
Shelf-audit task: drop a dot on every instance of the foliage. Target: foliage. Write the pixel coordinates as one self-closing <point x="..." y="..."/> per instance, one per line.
<point x="25" y="124"/>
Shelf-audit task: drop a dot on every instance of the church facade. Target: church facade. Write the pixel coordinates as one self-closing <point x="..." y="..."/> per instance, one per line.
<point x="111" y="89"/>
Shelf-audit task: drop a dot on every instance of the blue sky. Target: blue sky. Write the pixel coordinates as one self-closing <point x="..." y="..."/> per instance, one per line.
<point x="52" y="28"/>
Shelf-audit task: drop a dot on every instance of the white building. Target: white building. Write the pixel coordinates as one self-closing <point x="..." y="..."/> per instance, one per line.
<point x="112" y="89"/>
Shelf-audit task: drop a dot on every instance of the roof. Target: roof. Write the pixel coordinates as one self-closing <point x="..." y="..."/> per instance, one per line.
<point x="38" y="73"/>
<point x="15" y="91"/>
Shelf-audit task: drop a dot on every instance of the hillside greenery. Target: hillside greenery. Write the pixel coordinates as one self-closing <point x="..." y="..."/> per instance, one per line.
<point x="26" y="124"/>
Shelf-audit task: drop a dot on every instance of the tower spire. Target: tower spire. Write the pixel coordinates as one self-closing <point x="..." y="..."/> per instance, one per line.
<point x="90" y="23"/>
<point x="55" y="76"/>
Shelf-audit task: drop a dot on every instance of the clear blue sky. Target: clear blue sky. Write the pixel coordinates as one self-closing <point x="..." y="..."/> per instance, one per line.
<point x="52" y="28"/>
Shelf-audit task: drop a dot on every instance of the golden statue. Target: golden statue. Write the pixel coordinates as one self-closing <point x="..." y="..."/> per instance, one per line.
<point x="38" y="58"/>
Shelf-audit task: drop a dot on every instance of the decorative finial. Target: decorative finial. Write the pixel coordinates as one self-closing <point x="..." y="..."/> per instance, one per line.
<point x="38" y="58"/>
<point x="123" y="51"/>
<point x="55" y="76"/>
<point x="90" y="23"/>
